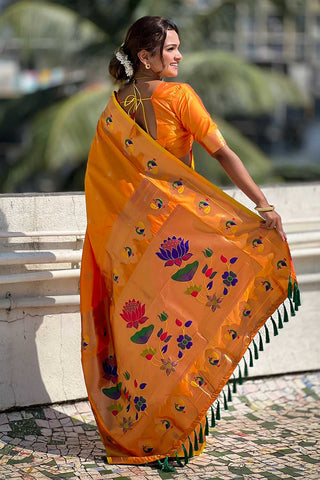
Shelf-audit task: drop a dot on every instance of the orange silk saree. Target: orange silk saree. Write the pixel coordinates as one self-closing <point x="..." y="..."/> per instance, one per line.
<point x="177" y="279"/>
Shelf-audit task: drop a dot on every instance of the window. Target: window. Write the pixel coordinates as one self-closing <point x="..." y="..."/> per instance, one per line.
<point x="275" y="23"/>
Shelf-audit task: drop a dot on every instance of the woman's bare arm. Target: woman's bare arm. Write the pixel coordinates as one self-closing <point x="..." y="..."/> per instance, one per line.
<point x="237" y="172"/>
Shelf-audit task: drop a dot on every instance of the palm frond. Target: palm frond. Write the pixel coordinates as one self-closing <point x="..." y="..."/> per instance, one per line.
<point x="60" y="137"/>
<point x="229" y="85"/>
<point x="256" y="162"/>
<point x="46" y="26"/>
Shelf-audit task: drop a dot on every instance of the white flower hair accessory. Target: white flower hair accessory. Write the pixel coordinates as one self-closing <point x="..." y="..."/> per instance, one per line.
<point x="124" y="60"/>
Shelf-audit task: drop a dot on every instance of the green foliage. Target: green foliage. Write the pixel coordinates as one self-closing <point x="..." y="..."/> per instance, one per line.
<point x="60" y="137"/>
<point x="229" y="85"/>
<point x="59" y="131"/>
<point x="258" y="164"/>
<point x="45" y="26"/>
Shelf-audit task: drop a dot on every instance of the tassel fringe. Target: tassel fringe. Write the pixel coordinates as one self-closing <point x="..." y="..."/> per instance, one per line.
<point x="165" y="467"/>
<point x="178" y="459"/>
<point x="206" y="431"/>
<point x="195" y="443"/>
<point x="213" y="421"/>
<point x="295" y="303"/>
<point x="190" y="448"/>
<point x="186" y="457"/>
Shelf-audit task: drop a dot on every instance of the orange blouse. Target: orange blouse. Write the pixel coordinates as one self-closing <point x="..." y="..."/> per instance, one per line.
<point x="181" y="118"/>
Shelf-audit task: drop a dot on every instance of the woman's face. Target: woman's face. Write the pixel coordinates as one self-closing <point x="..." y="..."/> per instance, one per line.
<point x="168" y="66"/>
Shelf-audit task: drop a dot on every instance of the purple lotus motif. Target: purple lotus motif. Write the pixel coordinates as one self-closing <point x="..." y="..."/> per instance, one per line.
<point x="174" y="250"/>
<point x="109" y="366"/>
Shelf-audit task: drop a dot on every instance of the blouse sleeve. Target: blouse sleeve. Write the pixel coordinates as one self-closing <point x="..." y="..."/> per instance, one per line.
<point x="196" y="120"/>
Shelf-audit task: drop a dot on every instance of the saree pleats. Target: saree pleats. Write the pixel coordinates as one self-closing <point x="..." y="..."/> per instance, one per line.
<point x="177" y="279"/>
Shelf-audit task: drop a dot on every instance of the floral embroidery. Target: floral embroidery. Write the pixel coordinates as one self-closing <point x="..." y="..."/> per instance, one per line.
<point x="147" y="448"/>
<point x="213" y="302"/>
<point x="184" y="342"/>
<point x="113" y="392"/>
<point x="157" y="204"/>
<point x="230" y="224"/>
<point x="214" y="359"/>
<point x="140" y="403"/>
<point x="127" y="253"/>
<point x="193" y="290"/>
<point x="148" y="353"/>
<point x="133" y="313"/>
<point x="126" y="424"/>
<point x="174" y="250"/>
<point x="85" y="341"/>
<point x="142" y="336"/>
<point x="281" y="263"/>
<point x="115" y="275"/>
<point x="168" y="365"/>
<point x="204" y="206"/>
<point x="129" y="143"/>
<point x="178" y="186"/>
<point x="153" y="166"/>
<point x="180" y="407"/>
<point x="109" y="366"/>
<point x="230" y="278"/>
<point x="140" y="228"/>
<point x="231" y="335"/>
<point x="115" y="409"/>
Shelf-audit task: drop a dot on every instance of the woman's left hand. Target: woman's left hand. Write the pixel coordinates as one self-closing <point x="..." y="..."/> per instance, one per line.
<point x="273" y="220"/>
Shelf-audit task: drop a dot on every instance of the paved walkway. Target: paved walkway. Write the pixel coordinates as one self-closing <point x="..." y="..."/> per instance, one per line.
<point x="272" y="431"/>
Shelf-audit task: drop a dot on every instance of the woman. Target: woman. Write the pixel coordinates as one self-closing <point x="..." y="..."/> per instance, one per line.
<point x="177" y="277"/>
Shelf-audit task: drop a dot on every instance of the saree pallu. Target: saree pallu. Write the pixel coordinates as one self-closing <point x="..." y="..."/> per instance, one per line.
<point x="177" y="278"/>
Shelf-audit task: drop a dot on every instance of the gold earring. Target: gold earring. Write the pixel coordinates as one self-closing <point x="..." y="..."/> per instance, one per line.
<point x="147" y="65"/>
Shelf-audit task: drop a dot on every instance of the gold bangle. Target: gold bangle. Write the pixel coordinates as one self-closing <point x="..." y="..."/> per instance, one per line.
<point x="270" y="208"/>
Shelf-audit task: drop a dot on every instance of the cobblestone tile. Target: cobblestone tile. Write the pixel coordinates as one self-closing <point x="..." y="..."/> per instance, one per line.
<point x="271" y="431"/>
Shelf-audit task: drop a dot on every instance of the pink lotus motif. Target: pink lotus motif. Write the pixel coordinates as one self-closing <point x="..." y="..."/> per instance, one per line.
<point x="174" y="250"/>
<point x="134" y="313"/>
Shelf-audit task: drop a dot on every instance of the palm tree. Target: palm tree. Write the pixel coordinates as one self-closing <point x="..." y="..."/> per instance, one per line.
<point x="59" y="135"/>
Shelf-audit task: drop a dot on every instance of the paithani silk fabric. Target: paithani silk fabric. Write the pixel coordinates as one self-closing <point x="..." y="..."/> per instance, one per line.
<point x="177" y="278"/>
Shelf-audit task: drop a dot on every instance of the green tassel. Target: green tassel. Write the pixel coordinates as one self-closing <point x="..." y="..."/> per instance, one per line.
<point x="201" y="440"/>
<point x="225" y="403"/>
<point x="206" y="431"/>
<point x="285" y="314"/>
<point x="190" y="448"/>
<point x="195" y="443"/>
<point x="280" y="324"/>
<point x="229" y="393"/>
<point x="251" y="357"/>
<point x="256" y="352"/>
<point x="246" y="370"/>
<point x="178" y="459"/>
<point x="290" y="287"/>
<point x="240" y="379"/>
<point x="296" y="296"/>
<point x="186" y="458"/>
<point x="213" y="422"/>
<point x="275" y="330"/>
<point x="267" y="333"/>
<point x="218" y="416"/>
<point x="234" y="385"/>
<point x="165" y="467"/>
<point x="292" y="312"/>
<point x="260" y="343"/>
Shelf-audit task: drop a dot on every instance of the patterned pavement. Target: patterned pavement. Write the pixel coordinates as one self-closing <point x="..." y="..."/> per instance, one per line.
<point x="271" y="431"/>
